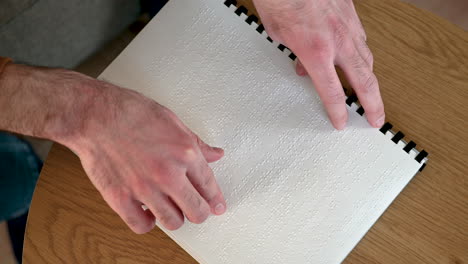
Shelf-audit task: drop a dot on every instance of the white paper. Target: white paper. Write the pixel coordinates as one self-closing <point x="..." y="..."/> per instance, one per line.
<point x="297" y="190"/>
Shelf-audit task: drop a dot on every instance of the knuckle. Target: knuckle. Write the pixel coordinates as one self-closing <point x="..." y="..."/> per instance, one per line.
<point x="357" y="62"/>
<point x="192" y="199"/>
<point x="100" y="179"/>
<point x="188" y="153"/>
<point x="168" y="182"/>
<point x="206" y="178"/>
<point x="164" y="214"/>
<point x="313" y="45"/>
<point x="368" y="85"/>
<point x="142" y="186"/>
<point x="167" y="176"/>
<point x="172" y="223"/>
<point x="165" y="218"/>
<point x="117" y="196"/>
<point x="347" y="47"/>
<point x="273" y="27"/>
<point x="283" y="29"/>
<point x="338" y="26"/>
<point x="322" y="50"/>
<point x="207" y="181"/>
<point x="333" y="20"/>
<point x="200" y="216"/>
<point x="199" y="212"/>
<point x="298" y="5"/>
<point x="333" y="97"/>
<point x="341" y="34"/>
<point x="277" y="30"/>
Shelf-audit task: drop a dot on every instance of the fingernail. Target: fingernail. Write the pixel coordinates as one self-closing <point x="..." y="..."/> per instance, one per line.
<point x="379" y="123"/>
<point x="340" y="126"/>
<point x="219" y="209"/>
<point x="219" y="150"/>
<point x="301" y="71"/>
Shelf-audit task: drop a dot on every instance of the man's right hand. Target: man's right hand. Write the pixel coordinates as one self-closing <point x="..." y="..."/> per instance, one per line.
<point x="325" y="33"/>
<point x="135" y="151"/>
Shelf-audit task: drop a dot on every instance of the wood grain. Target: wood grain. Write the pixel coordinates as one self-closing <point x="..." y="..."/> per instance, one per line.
<point x="422" y="66"/>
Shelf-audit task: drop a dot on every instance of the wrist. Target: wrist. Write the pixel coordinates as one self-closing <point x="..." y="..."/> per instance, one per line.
<point x="93" y="114"/>
<point x="78" y="98"/>
<point x="102" y="107"/>
<point x="44" y="102"/>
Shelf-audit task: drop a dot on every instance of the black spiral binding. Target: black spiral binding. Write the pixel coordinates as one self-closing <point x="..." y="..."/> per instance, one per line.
<point x="397" y="137"/>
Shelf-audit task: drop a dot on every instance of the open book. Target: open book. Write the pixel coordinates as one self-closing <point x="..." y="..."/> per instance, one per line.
<point x="297" y="190"/>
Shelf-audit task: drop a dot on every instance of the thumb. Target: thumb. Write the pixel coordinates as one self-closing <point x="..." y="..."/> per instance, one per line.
<point x="300" y="70"/>
<point x="210" y="153"/>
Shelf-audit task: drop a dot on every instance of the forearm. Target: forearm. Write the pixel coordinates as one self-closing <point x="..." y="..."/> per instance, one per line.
<point x="134" y="150"/>
<point x="42" y="102"/>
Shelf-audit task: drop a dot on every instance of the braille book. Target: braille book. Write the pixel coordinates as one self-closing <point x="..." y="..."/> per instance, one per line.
<point x="297" y="190"/>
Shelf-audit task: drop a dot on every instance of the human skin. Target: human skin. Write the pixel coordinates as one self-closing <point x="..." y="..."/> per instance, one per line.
<point x="137" y="152"/>
<point x="134" y="150"/>
<point x="325" y="33"/>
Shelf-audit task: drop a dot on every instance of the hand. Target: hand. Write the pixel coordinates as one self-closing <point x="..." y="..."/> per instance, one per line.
<point x="134" y="150"/>
<point x="325" y="33"/>
<point x="137" y="152"/>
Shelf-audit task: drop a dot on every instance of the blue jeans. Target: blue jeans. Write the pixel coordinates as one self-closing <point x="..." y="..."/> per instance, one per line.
<point x="19" y="170"/>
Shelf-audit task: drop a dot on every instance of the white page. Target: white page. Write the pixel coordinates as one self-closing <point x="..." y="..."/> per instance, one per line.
<point x="297" y="190"/>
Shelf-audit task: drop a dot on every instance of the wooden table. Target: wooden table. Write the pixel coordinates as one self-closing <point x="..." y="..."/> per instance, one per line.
<point x="422" y="65"/>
